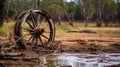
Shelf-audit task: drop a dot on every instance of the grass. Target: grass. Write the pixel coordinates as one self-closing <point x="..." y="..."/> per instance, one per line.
<point x="116" y="32"/>
<point x="98" y="46"/>
<point x="102" y="31"/>
<point x="64" y="28"/>
<point x="91" y="26"/>
<point x="3" y="30"/>
<point x="7" y="28"/>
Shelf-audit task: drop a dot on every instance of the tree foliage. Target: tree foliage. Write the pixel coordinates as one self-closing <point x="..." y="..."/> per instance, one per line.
<point x="87" y="9"/>
<point x="76" y="10"/>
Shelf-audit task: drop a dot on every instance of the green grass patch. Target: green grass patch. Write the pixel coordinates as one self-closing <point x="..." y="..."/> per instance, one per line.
<point x="59" y="31"/>
<point x="90" y="24"/>
<point x="108" y="32"/>
<point x="6" y="28"/>
<point x="3" y="30"/>
<point x="78" y="26"/>
<point x="63" y="28"/>
<point x="98" y="46"/>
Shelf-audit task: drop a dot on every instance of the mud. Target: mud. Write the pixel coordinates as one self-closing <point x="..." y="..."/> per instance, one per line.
<point x="96" y="48"/>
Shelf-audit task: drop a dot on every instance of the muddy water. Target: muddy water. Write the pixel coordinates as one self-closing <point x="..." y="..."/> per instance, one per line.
<point x="81" y="60"/>
<point x="73" y="60"/>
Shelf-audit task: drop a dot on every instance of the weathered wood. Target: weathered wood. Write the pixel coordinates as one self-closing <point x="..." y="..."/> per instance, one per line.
<point x="16" y="57"/>
<point x="30" y="59"/>
<point x="11" y="54"/>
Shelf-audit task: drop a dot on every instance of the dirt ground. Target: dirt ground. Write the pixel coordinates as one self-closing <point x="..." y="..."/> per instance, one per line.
<point x="67" y="42"/>
<point x="80" y="42"/>
<point x="89" y="42"/>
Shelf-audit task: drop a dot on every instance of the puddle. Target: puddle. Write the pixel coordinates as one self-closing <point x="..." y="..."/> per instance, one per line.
<point x="82" y="60"/>
<point x="73" y="60"/>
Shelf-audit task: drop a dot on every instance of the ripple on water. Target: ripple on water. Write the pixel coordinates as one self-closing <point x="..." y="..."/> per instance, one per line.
<point x="83" y="59"/>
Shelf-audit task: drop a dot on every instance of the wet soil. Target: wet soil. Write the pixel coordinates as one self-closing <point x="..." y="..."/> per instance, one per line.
<point x="77" y="42"/>
<point x="89" y="42"/>
<point x="69" y="42"/>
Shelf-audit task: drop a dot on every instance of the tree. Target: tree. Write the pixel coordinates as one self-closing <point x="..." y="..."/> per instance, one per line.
<point x="14" y="7"/>
<point x="98" y="11"/>
<point x="87" y="9"/>
<point x="78" y="13"/>
<point x="118" y="15"/>
<point x="110" y="11"/>
<point x="105" y="10"/>
<point x="2" y="3"/>
<point x="70" y="7"/>
<point x="36" y="4"/>
<point x="64" y="7"/>
<point x="54" y="7"/>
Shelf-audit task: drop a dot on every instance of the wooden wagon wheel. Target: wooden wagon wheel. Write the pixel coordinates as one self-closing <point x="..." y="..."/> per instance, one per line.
<point x="35" y="27"/>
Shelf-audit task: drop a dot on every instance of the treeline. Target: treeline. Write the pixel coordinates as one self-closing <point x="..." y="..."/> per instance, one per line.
<point x="98" y="11"/>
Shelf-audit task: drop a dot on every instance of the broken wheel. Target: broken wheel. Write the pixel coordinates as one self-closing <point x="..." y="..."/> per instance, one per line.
<point x="35" y="27"/>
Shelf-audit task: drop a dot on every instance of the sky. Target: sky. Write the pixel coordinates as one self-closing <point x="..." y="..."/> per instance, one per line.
<point x="69" y="0"/>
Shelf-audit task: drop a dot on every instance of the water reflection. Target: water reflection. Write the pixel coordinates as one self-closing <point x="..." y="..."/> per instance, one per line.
<point x="73" y="60"/>
<point x="83" y="60"/>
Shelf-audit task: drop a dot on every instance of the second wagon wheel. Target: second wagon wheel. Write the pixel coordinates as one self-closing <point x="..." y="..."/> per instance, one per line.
<point x="35" y="27"/>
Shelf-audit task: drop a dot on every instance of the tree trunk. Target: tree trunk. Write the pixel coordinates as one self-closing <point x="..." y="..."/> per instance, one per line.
<point x="8" y="8"/>
<point x="87" y="21"/>
<point x="106" y="24"/>
<point x="2" y="3"/>
<point x="70" y="22"/>
<point x="59" y="20"/>
<point x="72" y="17"/>
<point x="106" y="21"/>
<point x="36" y="4"/>
<point x="99" y="14"/>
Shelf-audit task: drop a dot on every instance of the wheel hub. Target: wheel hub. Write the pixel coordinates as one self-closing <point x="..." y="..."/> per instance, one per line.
<point x="39" y="31"/>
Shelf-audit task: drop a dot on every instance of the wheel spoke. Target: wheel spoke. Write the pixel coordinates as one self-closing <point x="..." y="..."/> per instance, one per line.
<point x="40" y="40"/>
<point x="38" y="18"/>
<point x="47" y="32"/>
<point x="36" y="41"/>
<point x="44" y="36"/>
<point x="29" y="30"/>
<point x="30" y="25"/>
<point x="36" y="28"/>
<point x="41" y="22"/>
<point x="27" y="34"/>
<point x="33" y="21"/>
<point x="33" y="38"/>
<point x="30" y="37"/>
